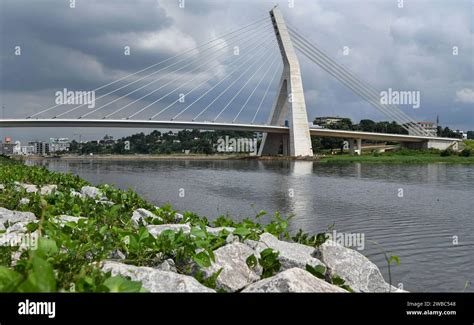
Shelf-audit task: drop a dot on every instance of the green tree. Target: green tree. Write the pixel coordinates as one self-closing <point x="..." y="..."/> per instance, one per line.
<point x="367" y="126"/>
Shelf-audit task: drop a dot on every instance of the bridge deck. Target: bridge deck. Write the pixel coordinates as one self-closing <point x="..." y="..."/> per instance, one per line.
<point x="15" y="123"/>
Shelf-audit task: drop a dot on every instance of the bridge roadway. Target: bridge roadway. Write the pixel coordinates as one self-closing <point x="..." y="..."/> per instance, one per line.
<point x="15" y="123"/>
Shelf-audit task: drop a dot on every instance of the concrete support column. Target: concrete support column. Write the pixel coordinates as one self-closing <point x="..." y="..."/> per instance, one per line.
<point x="351" y="146"/>
<point x="359" y="147"/>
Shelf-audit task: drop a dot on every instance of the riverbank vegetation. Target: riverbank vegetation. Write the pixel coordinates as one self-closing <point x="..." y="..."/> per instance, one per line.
<point x="157" y="143"/>
<point x="405" y="156"/>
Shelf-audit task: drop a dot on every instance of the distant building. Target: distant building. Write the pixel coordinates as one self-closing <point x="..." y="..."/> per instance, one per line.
<point x="462" y="134"/>
<point x="40" y="148"/>
<point x="59" y="144"/>
<point x="27" y="150"/>
<point x="7" y="147"/>
<point x="430" y="127"/>
<point x="17" y="148"/>
<point x="327" y="120"/>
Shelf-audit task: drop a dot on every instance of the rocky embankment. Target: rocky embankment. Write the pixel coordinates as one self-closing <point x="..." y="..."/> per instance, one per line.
<point x="241" y="260"/>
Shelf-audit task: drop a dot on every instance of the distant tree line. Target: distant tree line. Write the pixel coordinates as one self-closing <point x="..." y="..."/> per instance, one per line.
<point x="157" y="143"/>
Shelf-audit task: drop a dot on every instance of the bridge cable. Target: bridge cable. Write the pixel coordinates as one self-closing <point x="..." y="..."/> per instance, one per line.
<point x="169" y="106"/>
<point x="349" y="83"/>
<point x="244" y="86"/>
<point x="368" y="89"/>
<point x="198" y="59"/>
<point x="355" y="89"/>
<point x="130" y="83"/>
<point x="372" y="101"/>
<point x="193" y="89"/>
<point x="255" y="40"/>
<point x="232" y="83"/>
<point x="364" y="85"/>
<point x="255" y="88"/>
<point x="163" y="61"/>
<point x="264" y="95"/>
<point x="374" y="98"/>
<point x="399" y="117"/>
<point x="198" y="86"/>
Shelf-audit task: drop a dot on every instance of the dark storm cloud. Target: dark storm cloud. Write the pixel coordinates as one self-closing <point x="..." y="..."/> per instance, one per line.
<point x="76" y="46"/>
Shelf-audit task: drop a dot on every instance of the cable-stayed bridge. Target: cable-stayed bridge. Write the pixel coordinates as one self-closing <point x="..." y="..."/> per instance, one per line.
<point x="227" y="84"/>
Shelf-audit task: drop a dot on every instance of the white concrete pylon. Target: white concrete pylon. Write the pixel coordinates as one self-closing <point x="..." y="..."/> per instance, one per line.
<point x="290" y="102"/>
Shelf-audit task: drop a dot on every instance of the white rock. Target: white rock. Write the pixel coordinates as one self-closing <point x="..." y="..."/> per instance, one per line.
<point x="167" y="265"/>
<point x="62" y="219"/>
<point x="24" y="200"/>
<point x="117" y="254"/>
<point x="11" y="217"/>
<point x="293" y="280"/>
<point x="19" y="227"/>
<point x="217" y="230"/>
<point x="290" y="254"/>
<point x="109" y="203"/>
<point x="93" y="192"/>
<point x="254" y="244"/>
<point x="156" y="230"/>
<point x="354" y="268"/>
<point x="30" y="188"/>
<point x="139" y="216"/>
<point x="235" y="273"/>
<point x="48" y="189"/>
<point x="74" y="193"/>
<point x="232" y="239"/>
<point x="155" y="280"/>
<point x="178" y="217"/>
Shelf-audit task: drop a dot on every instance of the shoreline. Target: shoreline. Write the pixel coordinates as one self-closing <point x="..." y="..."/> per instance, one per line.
<point x="144" y="157"/>
<point x="389" y="158"/>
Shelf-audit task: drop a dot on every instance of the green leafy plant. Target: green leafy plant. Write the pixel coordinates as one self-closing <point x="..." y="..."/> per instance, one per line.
<point x="268" y="260"/>
<point x="338" y="281"/>
<point x="310" y="240"/>
<point x="388" y="260"/>
<point x="210" y="281"/>
<point x="318" y="271"/>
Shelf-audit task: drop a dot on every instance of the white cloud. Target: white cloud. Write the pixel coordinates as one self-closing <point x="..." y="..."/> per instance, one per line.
<point x="465" y="95"/>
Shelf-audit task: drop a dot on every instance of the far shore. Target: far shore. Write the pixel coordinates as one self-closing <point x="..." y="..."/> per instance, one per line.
<point x="410" y="157"/>
<point x="164" y="157"/>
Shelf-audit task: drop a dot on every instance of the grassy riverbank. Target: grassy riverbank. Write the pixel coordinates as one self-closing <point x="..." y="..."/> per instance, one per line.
<point x="401" y="157"/>
<point x="69" y="250"/>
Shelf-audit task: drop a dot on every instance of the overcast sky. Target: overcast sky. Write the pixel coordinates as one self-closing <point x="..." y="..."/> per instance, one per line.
<point x="82" y="48"/>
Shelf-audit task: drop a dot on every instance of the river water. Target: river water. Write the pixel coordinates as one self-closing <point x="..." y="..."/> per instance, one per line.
<point x="424" y="214"/>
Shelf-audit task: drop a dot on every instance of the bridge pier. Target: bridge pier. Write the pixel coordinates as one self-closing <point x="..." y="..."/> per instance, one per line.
<point x="275" y="144"/>
<point x="290" y="103"/>
<point x="353" y="144"/>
